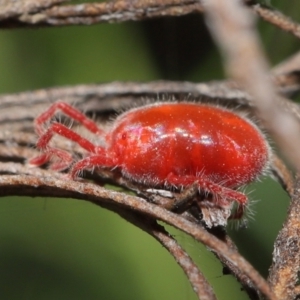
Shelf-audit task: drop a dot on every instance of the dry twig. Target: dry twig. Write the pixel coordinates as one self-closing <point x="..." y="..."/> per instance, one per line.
<point x="200" y="285"/>
<point x="115" y="201"/>
<point x="50" y="13"/>
<point x="284" y="273"/>
<point x="14" y="9"/>
<point x="277" y="18"/>
<point x="232" y="26"/>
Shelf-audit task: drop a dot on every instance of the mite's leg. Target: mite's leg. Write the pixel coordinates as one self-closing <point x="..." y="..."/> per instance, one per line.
<point x="65" y="157"/>
<point x="90" y="162"/>
<point x="71" y="112"/>
<point x="221" y="194"/>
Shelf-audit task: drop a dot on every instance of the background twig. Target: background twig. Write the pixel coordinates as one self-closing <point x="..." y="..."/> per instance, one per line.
<point x="232" y="26"/>
<point x="284" y="273"/>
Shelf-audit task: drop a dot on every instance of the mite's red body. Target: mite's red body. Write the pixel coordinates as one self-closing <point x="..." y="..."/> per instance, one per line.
<point x="153" y="143"/>
<point x="168" y="144"/>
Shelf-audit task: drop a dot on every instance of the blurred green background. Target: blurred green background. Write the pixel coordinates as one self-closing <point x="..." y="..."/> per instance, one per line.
<point x="69" y="249"/>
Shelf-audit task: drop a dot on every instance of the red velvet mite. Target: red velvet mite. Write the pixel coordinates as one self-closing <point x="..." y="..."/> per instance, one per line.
<point x="166" y="145"/>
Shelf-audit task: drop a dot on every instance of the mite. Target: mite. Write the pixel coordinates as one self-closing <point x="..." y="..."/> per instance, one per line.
<point x="165" y="144"/>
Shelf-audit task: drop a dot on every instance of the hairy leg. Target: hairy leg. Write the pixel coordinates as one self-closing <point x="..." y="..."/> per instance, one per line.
<point x="71" y="112"/>
<point x="65" y="158"/>
<point x="222" y="195"/>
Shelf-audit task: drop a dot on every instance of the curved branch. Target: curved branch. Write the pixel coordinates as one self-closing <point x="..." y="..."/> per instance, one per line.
<point x="115" y="201"/>
<point x="33" y="13"/>
<point x="200" y="285"/>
